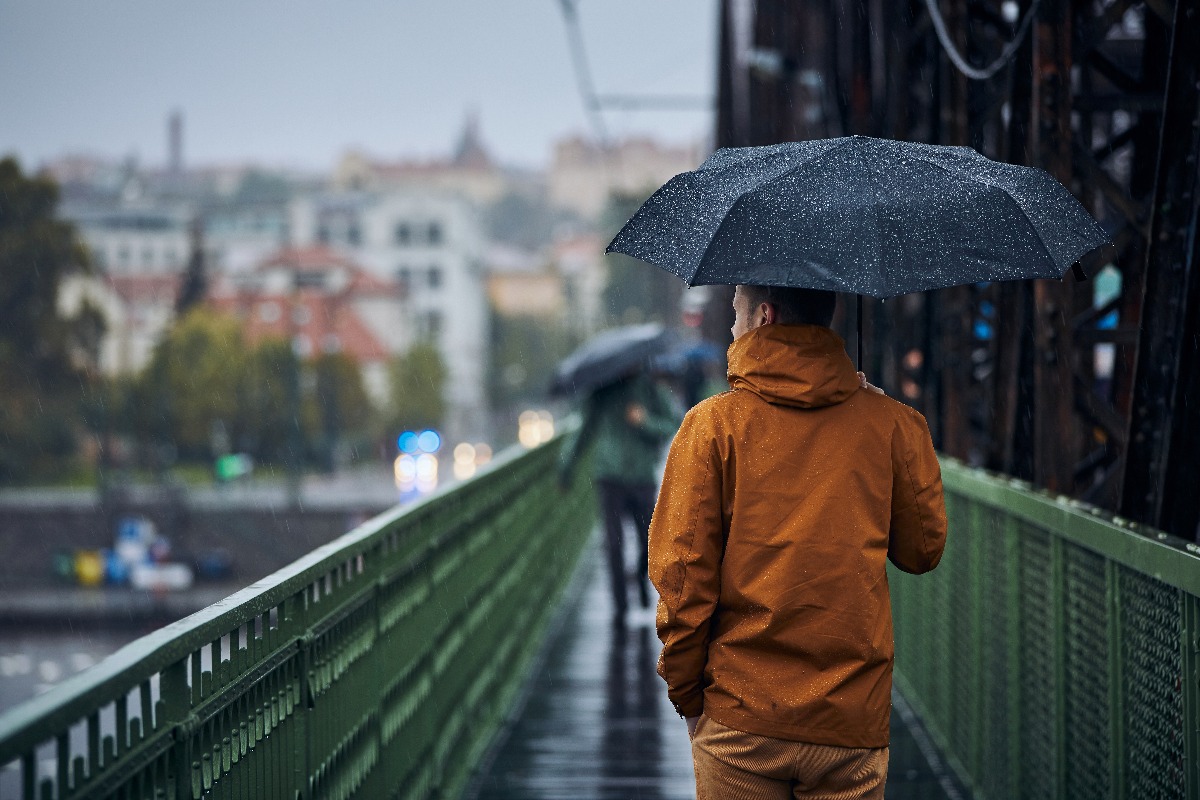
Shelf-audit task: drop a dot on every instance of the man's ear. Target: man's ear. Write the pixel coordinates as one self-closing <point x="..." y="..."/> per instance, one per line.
<point x="770" y="314"/>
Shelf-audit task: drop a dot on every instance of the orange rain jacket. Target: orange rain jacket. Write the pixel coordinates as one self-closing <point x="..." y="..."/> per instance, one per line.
<point x="781" y="500"/>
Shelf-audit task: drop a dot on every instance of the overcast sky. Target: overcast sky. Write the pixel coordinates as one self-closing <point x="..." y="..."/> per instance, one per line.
<point x="296" y="83"/>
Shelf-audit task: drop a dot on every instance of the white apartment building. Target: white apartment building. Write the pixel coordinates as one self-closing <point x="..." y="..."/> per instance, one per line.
<point x="134" y="241"/>
<point x="432" y="243"/>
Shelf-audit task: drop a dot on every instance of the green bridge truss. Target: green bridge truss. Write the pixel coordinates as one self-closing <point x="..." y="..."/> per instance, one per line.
<point x="1053" y="654"/>
<point x="380" y="665"/>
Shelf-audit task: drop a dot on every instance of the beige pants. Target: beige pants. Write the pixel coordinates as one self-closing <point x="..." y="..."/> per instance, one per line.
<point x="732" y="765"/>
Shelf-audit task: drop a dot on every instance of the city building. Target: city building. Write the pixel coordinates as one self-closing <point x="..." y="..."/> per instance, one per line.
<point x="137" y="310"/>
<point x="323" y="303"/>
<point x="134" y="240"/>
<point x="521" y="283"/>
<point x="469" y="171"/>
<point x="583" y="174"/>
<point x="430" y="243"/>
<point x="579" y="260"/>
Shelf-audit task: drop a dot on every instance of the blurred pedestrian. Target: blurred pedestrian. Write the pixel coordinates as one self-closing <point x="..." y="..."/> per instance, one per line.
<point x="625" y="425"/>
<point x="782" y="500"/>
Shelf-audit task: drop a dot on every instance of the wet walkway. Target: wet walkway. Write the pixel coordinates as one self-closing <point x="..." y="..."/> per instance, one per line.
<point x="596" y="723"/>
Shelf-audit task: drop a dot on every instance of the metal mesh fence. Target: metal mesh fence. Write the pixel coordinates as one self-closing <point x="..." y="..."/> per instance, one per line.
<point x="1152" y="682"/>
<point x="379" y="665"/>
<point x="1054" y="652"/>
<point x="1038" y="677"/>
<point x="1086" y="679"/>
<point x="996" y="628"/>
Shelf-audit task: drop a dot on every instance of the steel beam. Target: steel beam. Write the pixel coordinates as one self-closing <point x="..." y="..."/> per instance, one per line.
<point x="1055" y="439"/>
<point x="1164" y="430"/>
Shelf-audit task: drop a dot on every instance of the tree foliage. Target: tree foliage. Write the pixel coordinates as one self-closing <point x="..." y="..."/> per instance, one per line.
<point x="204" y="379"/>
<point x="525" y="351"/>
<point x="418" y="381"/>
<point x="338" y="409"/>
<point x="40" y="384"/>
<point x="195" y="376"/>
<point x="636" y="292"/>
<point x="271" y="427"/>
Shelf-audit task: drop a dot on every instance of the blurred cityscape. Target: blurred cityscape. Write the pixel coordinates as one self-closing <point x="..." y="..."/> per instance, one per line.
<point x="264" y="277"/>
<point x="237" y="326"/>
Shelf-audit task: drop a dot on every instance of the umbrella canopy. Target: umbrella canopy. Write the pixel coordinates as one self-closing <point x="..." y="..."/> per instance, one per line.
<point x="608" y="357"/>
<point x="855" y="214"/>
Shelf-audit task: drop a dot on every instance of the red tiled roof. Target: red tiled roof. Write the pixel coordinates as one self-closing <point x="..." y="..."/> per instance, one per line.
<point x="321" y="257"/>
<point x="327" y="319"/>
<point x="137" y="289"/>
<point x="329" y="322"/>
<point x="311" y="257"/>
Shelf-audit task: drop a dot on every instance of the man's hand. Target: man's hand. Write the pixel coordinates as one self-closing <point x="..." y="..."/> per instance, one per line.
<point x="691" y="723"/>
<point x="870" y="387"/>
<point x="635" y="414"/>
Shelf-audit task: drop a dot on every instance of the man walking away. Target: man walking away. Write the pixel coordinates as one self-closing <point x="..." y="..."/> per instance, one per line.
<point x="781" y="502"/>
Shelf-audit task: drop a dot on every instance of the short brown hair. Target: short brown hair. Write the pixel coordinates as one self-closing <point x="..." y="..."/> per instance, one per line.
<point x="795" y="306"/>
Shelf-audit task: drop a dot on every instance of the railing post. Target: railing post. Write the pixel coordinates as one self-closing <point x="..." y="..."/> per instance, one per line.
<point x="293" y="617"/>
<point x="978" y="672"/>
<point x="1058" y="591"/>
<point x="177" y="705"/>
<point x="1012" y="553"/>
<point x="1116" y="682"/>
<point x="1190" y="662"/>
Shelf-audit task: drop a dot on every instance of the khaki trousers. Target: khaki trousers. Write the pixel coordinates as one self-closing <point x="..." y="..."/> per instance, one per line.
<point x="732" y="765"/>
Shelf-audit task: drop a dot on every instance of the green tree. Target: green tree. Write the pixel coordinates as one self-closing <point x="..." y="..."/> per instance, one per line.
<point x="525" y="351"/>
<point x="194" y="381"/>
<point x="636" y="292"/>
<point x="40" y="398"/>
<point x="271" y="426"/>
<point x="338" y="409"/>
<point x="418" y="381"/>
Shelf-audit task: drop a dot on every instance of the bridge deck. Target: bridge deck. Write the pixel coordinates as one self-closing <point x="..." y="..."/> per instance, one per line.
<point x="596" y="723"/>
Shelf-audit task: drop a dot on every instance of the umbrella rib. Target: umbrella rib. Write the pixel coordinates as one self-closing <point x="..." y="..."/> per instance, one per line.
<point x="1037" y="235"/>
<point x="791" y="171"/>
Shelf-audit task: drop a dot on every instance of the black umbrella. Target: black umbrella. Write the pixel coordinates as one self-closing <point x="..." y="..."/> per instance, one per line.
<point x="608" y="357"/>
<point x="871" y="216"/>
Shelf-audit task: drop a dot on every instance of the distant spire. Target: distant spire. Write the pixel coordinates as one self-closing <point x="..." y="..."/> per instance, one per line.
<point x="470" y="151"/>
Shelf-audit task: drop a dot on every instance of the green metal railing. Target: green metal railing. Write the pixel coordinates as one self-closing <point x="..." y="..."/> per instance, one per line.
<point x="380" y="665"/>
<point x="1054" y="652"/>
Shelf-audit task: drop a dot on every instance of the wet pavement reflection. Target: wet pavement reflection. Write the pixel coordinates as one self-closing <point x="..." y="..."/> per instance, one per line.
<point x="596" y="723"/>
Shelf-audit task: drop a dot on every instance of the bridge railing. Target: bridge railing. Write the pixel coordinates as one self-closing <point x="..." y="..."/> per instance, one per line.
<point x="1054" y="652"/>
<point x="379" y="665"/>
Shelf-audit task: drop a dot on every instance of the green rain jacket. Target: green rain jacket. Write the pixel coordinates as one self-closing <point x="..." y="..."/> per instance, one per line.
<point x="622" y="452"/>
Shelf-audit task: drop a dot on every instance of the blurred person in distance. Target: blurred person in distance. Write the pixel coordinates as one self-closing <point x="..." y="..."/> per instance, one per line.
<point x="625" y="425"/>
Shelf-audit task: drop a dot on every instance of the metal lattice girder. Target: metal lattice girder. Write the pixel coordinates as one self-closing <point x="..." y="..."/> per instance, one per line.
<point x="1054" y="651"/>
<point x="1164" y="429"/>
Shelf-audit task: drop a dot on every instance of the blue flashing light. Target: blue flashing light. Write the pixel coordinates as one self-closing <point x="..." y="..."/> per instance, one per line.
<point x="429" y="441"/>
<point x="408" y="442"/>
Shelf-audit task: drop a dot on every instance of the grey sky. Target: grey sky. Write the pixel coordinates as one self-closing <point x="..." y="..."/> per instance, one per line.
<point x="298" y="82"/>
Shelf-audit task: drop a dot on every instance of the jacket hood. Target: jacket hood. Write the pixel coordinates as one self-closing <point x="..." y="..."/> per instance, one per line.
<point x="805" y="366"/>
